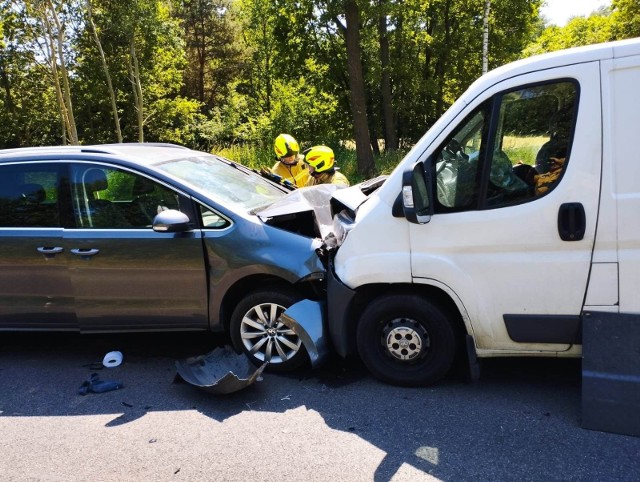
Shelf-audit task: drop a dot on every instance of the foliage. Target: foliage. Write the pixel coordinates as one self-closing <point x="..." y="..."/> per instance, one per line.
<point x="229" y="75"/>
<point x="596" y="28"/>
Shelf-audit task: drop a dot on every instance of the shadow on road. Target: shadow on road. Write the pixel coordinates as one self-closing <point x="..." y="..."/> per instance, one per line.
<point x="521" y="420"/>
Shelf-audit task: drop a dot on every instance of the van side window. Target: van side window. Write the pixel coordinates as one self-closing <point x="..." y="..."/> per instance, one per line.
<point x="529" y="132"/>
<point x="29" y="196"/>
<point x="109" y="198"/>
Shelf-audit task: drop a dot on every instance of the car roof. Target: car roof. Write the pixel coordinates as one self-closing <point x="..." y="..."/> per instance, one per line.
<point x="142" y="153"/>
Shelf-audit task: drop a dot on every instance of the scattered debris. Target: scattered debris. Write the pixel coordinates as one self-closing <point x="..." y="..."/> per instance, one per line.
<point x="217" y="372"/>
<point x="112" y="359"/>
<point x="95" y="385"/>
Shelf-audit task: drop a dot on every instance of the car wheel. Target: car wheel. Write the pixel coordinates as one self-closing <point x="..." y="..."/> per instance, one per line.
<point x="257" y="330"/>
<point x="406" y="340"/>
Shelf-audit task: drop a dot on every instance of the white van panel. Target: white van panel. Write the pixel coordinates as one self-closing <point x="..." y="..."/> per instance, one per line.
<point x="378" y="251"/>
<point x="603" y="286"/>
<point x="623" y="121"/>
<point x="511" y="260"/>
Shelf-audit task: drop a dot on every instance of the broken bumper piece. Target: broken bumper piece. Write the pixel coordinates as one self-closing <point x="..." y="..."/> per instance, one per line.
<point x="307" y="319"/>
<point x="221" y="371"/>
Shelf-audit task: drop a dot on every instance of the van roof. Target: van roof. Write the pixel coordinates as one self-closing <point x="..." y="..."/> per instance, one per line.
<point x="576" y="55"/>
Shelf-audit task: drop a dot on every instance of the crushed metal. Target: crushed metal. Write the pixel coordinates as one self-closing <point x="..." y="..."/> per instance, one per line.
<point x="221" y="371"/>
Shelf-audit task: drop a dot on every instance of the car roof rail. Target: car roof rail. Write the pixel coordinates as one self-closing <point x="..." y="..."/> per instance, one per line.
<point x="91" y="149"/>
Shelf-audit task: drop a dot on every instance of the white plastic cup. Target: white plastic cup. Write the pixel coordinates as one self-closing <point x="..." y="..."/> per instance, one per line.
<point x="112" y="359"/>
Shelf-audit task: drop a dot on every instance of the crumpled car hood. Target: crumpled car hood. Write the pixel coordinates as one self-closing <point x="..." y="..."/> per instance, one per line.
<point x="309" y="211"/>
<point x="306" y="211"/>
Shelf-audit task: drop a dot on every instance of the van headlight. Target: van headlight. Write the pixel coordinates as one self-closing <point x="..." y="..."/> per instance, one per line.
<point x="343" y="222"/>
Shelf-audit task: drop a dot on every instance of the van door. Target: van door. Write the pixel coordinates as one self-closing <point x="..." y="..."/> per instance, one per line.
<point x="35" y="290"/>
<point x="516" y="187"/>
<point x="126" y="276"/>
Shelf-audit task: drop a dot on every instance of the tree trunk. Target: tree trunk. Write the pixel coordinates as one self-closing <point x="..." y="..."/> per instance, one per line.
<point x="366" y="166"/>
<point x="485" y="37"/>
<point x="390" y="139"/>
<point x="51" y="46"/>
<point x="73" y="133"/>
<point x="134" y="74"/>
<point x="443" y="58"/>
<point x="105" y="67"/>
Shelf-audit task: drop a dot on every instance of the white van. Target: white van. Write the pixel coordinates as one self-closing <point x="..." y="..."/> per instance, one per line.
<point x="514" y="215"/>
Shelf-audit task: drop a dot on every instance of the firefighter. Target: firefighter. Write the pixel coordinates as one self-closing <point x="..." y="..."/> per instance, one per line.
<point x="290" y="165"/>
<point x="322" y="169"/>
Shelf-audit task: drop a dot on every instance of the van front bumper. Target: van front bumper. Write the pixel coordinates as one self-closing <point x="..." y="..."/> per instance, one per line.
<point x="339" y="302"/>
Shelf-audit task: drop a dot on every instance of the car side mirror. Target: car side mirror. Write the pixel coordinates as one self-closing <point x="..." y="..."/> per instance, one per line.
<point x="416" y="195"/>
<point x="171" y="221"/>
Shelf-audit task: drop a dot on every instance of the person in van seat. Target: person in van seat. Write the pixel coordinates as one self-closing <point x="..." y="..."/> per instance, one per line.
<point x="322" y="169"/>
<point x="542" y="183"/>
<point x="289" y="166"/>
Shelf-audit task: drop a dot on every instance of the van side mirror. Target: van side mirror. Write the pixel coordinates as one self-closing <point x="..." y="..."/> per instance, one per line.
<point x="416" y="195"/>
<point x="171" y="221"/>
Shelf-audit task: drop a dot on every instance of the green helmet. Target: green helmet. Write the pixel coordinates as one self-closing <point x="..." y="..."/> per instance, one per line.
<point x="286" y="146"/>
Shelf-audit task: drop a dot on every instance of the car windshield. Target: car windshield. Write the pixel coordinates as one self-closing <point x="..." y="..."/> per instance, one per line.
<point x="223" y="180"/>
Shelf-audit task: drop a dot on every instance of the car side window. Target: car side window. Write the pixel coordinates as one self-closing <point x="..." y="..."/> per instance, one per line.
<point x="108" y="198"/>
<point x="29" y="195"/>
<point x="212" y="219"/>
<point x="529" y="132"/>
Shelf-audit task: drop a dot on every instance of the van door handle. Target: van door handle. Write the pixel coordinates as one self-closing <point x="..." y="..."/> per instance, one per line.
<point x="572" y="221"/>
<point x="85" y="251"/>
<point x="49" y="251"/>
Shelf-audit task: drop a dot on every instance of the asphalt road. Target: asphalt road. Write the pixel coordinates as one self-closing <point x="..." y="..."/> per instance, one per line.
<point x="520" y="421"/>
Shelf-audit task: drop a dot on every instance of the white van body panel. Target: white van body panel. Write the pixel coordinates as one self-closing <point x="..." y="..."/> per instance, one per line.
<point x="511" y="260"/>
<point x="621" y="81"/>
<point x="381" y="250"/>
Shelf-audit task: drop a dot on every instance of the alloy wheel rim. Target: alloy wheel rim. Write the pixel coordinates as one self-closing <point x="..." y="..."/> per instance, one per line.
<point x="266" y="337"/>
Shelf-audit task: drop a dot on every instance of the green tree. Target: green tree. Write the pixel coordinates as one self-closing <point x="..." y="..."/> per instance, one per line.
<point x="596" y="28"/>
<point x="626" y="18"/>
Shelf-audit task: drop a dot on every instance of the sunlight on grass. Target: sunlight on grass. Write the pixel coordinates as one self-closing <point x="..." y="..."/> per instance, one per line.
<point x="523" y="149"/>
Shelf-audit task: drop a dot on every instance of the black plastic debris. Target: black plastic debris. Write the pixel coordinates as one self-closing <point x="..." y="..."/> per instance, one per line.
<point x="95" y="385"/>
<point x="221" y="371"/>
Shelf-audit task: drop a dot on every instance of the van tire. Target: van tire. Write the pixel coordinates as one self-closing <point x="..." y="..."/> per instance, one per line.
<point x="406" y="340"/>
<point x="246" y="318"/>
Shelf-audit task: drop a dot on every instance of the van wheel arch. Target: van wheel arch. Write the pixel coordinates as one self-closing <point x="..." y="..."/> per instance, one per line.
<point x="439" y="315"/>
<point x="368" y="293"/>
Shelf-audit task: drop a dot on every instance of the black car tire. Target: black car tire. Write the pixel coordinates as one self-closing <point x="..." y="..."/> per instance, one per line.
<point x="257" y="331"/>
<point x="408" y="326"/>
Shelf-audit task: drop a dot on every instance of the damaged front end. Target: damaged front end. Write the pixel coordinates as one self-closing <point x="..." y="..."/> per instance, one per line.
<point x="325" y="212"/>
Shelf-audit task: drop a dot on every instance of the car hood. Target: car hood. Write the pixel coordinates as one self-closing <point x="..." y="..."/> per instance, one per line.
<point x="309" y="211"/>
<point x="305" y="211"/>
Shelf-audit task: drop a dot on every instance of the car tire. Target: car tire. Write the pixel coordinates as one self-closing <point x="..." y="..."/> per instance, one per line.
<point x="406" y="340"/>
<point x="257" y="330"/>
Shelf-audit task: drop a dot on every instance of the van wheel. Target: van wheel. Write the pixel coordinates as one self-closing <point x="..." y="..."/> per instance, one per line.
<point x="257" y="330"/>
<point x="406" y="340"/>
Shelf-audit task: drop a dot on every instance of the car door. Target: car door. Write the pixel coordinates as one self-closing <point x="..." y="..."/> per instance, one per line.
<point x="126" y="276"/>
<point x="511" y="238"/>
<point x="35" y="289"/>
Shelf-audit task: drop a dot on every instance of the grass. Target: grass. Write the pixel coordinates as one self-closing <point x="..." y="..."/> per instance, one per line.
<point x="523" y="148"/>
<point x="346" y="159"/>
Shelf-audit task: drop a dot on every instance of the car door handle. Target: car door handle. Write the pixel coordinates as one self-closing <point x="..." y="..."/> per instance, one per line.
<point x="85" y="251"/>
<point x="49" y="251"/>
<point x="572" y="221"/>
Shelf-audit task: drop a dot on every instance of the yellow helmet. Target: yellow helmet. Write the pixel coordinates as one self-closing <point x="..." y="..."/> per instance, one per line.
<point x="321" y="158"/>
<point x="286" y="146"/>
